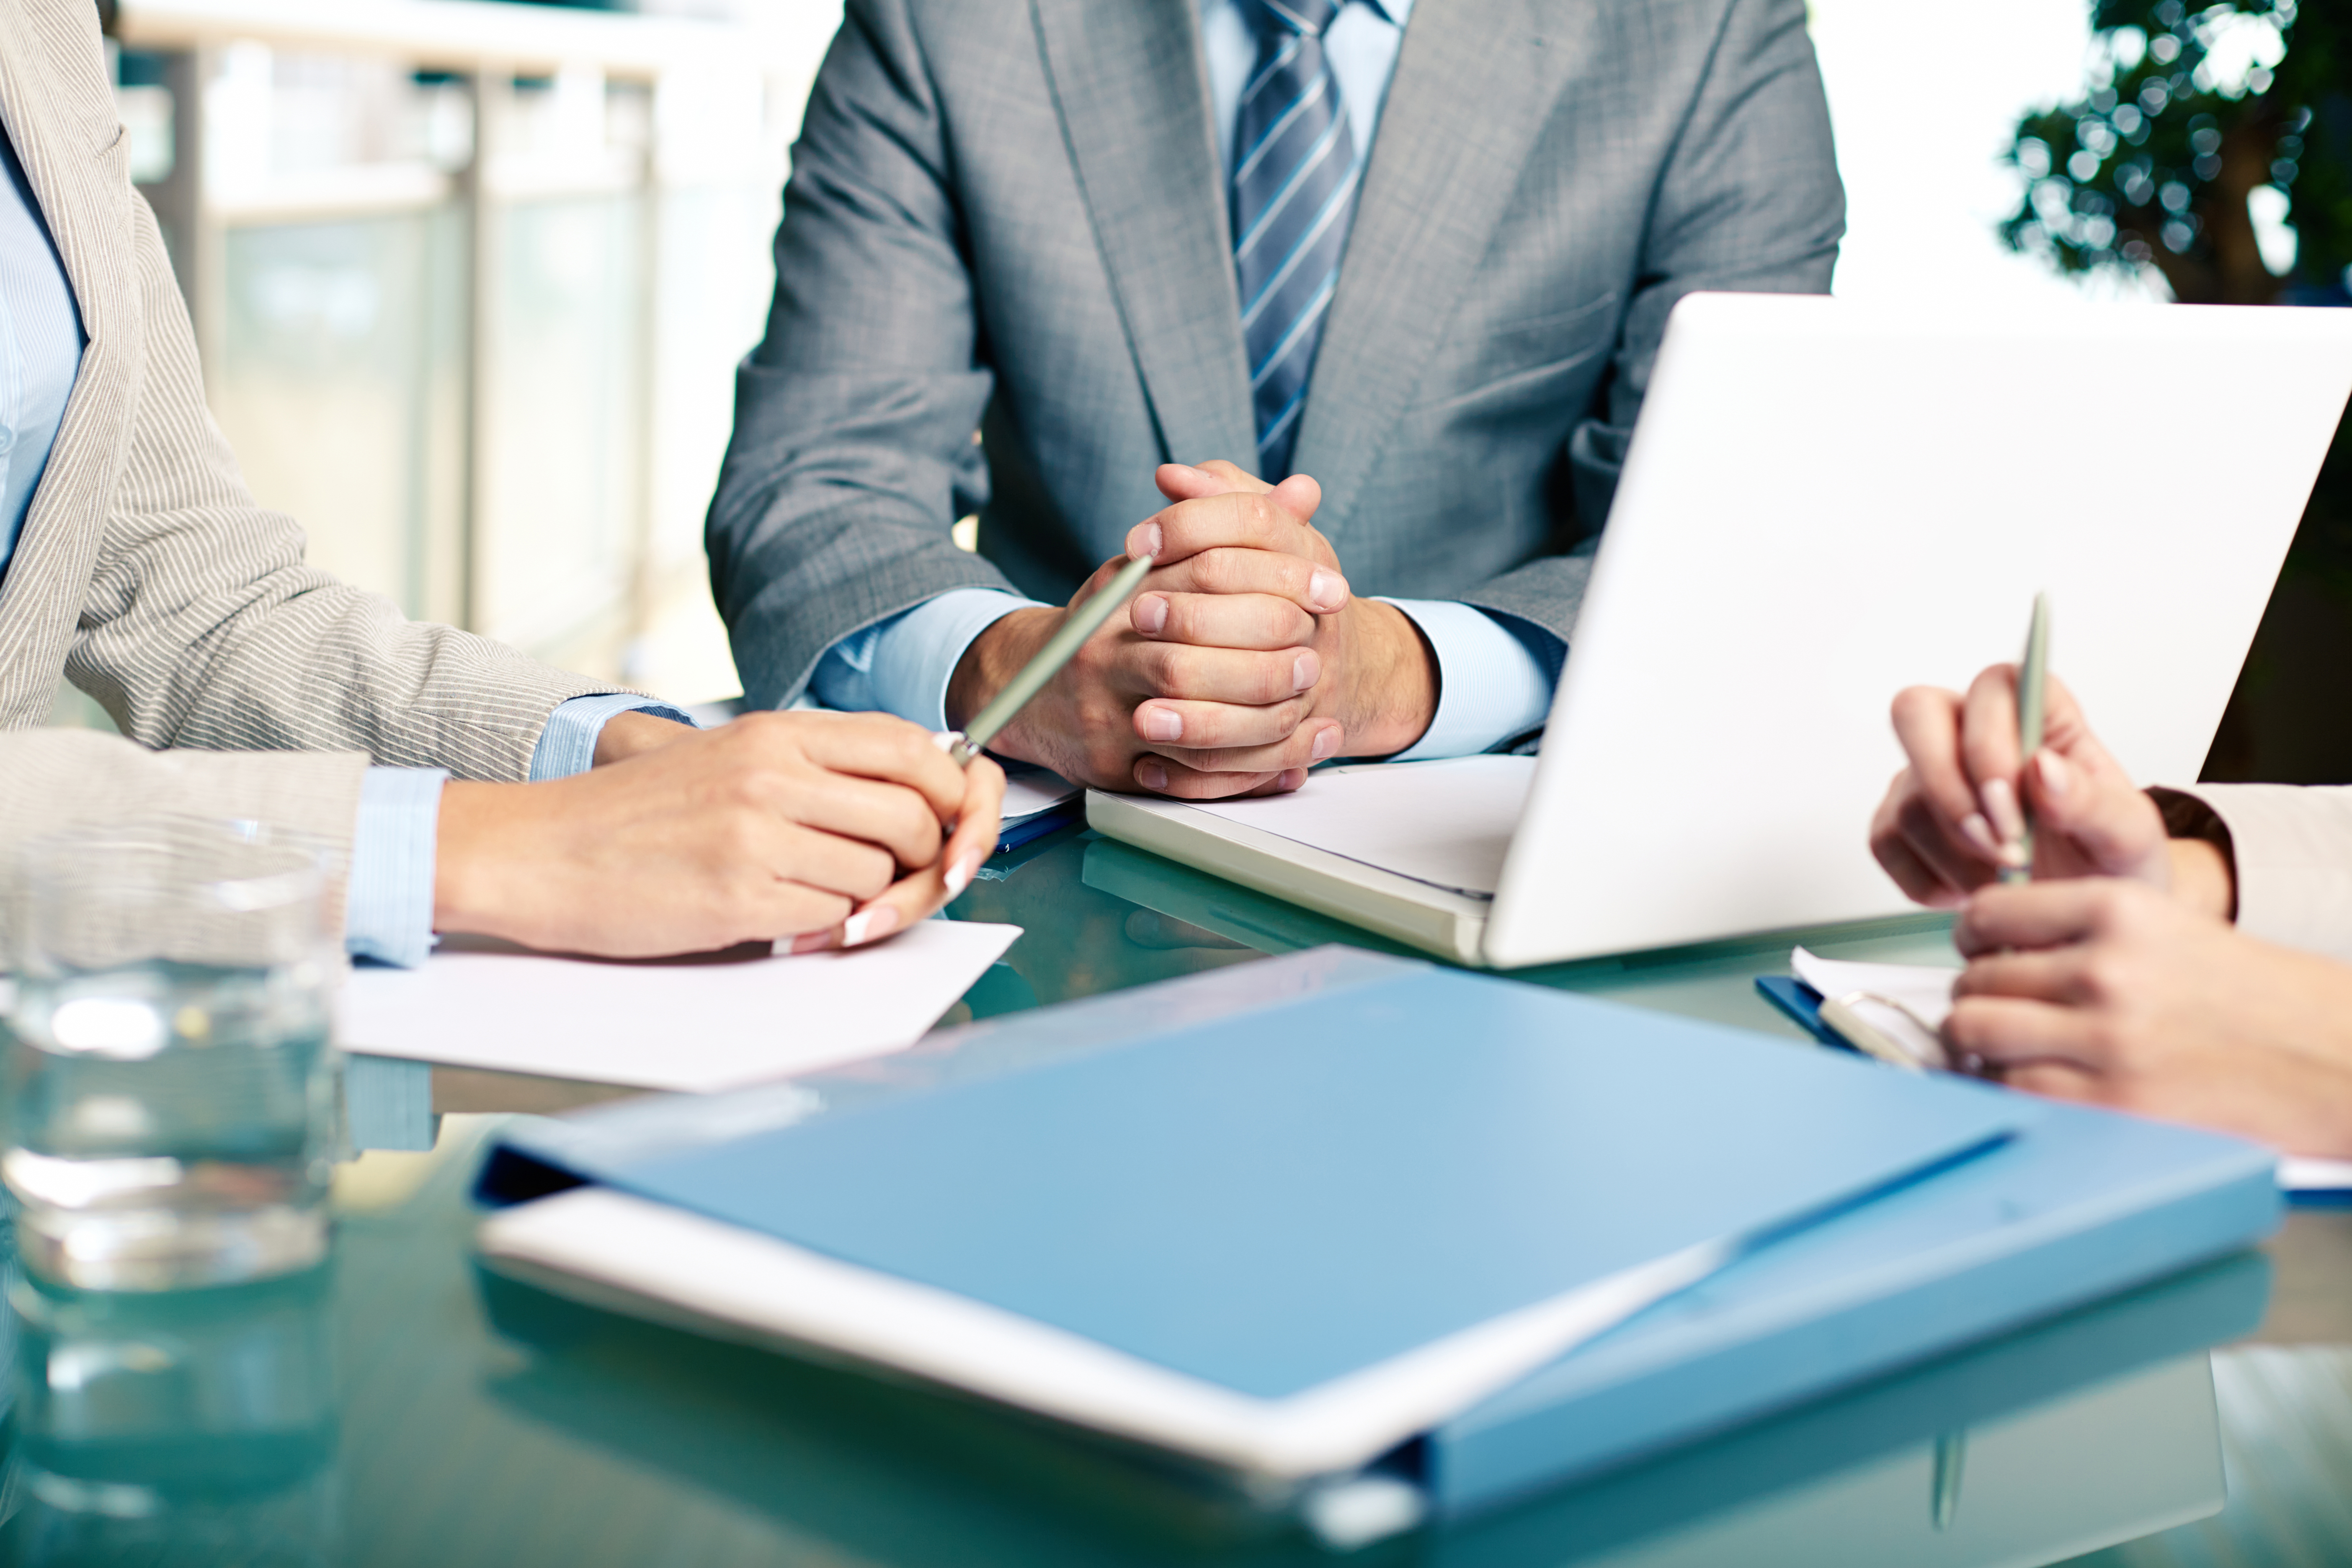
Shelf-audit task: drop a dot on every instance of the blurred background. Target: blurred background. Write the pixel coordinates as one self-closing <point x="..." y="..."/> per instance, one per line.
<point x="469" y="276"/>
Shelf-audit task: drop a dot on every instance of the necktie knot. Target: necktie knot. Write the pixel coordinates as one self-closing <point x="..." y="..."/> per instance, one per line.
<point x="1310" y="18"/>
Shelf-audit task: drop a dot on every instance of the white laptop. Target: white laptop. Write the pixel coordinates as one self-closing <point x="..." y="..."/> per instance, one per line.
<point x="1825" y="503"/>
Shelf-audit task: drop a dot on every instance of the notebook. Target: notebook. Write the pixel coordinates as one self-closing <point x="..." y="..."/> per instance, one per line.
<point x="1280" y="1241"/>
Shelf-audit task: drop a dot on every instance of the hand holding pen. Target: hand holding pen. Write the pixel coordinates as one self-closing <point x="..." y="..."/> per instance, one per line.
<point x="1980" y="797"/>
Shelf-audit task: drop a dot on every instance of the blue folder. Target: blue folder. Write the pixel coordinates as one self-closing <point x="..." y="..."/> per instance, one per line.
<point x="1288" y="1172"/>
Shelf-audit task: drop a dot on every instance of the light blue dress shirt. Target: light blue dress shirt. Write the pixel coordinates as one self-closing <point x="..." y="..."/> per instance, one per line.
<point x="388" y="908"/>
<point x="40" y="349"/>
<point x="1495" y="674"/>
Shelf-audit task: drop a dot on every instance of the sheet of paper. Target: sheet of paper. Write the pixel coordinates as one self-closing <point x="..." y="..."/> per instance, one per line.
<point x="1029" y="791"/>
<point x="2298" y="1176"/>
<point x="1906" y="1001"/>
<point x="1448" y="824"/>
<point x="697" y="1026"/>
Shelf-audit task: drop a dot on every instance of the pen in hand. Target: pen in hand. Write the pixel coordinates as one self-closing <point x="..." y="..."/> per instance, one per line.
<point x="2033" y="688"/>
<point x="965" y="744"/>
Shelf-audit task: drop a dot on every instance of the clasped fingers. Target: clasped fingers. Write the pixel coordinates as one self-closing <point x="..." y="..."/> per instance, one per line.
<point x="1315" y="588"/>
<point x="1255" y="621"/>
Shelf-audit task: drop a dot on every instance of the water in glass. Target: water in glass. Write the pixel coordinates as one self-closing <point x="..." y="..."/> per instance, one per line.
<point x="170" y="1085"/>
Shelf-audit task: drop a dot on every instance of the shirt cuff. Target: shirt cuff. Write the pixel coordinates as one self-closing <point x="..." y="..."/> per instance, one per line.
<point x="568" y="744"/>
<point x="903" y="664"/>
<point x="388" y="906"/>
<point x="1493" y="679"/>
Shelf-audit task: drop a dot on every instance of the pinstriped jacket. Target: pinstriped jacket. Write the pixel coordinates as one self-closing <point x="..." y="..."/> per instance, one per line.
<point x="254" y="686"/>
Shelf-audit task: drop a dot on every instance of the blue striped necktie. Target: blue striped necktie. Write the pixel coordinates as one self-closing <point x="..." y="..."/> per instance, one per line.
<point x="1294" y="172"/>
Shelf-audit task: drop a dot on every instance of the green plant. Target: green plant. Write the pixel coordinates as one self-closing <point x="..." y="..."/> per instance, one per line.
<point x="2187" y="115"/>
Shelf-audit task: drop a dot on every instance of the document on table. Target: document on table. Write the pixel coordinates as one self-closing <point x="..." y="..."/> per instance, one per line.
<point x="1028" y="791"/>
<point x="695" y="1024"/>
<point x="1900" y="998"/>
<point x="1906" y="1001"/>
<point x="1447" y="822"/>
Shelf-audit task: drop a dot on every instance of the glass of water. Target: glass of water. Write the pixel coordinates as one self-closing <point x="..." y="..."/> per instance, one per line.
<point x="170" y="1086"/>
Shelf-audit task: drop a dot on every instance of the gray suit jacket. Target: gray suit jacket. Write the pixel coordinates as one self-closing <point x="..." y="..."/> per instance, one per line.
<point x="1007" y="217"/>
<point x="149" y="576"/>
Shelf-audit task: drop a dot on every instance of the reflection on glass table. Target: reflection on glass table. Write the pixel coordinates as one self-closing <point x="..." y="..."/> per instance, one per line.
<point x="2096" y="1428"/>
<point x="484" y="1423"/>
<point x="185" y="1425"/>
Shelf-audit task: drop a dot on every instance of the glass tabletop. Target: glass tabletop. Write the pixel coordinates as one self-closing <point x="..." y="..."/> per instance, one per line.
<point x="402" y="1406"/>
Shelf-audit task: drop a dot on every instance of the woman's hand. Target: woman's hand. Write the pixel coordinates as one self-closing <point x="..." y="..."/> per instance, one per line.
<point x="823" y="827"/>
<point x="2102" y="990"/>
<point x="1955" y="816"/>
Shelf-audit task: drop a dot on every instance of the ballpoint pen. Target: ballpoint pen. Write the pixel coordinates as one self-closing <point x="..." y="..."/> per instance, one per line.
<point x="967" y="743"/>
<point x="2032" y="684"/>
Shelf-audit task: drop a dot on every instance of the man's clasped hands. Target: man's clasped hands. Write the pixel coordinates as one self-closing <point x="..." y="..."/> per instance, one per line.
<point x="1243" y="660"/>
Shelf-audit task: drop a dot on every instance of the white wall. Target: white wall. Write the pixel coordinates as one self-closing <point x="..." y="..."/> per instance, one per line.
<point x="1924" y="99"/>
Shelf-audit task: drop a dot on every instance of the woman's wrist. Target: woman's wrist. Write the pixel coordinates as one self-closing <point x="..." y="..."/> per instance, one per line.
<point x="2201" y="878"/>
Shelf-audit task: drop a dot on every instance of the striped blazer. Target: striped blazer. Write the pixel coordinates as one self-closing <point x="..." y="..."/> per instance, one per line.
<point x="249" y="684"/>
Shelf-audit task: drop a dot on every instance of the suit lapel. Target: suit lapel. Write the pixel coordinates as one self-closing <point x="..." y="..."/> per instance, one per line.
<point x="68" y="141"/>
<point x="1130" y="89"/>
<point x="1473" y="85"/>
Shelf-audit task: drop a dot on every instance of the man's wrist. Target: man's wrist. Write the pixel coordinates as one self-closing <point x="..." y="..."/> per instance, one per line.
<point x="1395" y="682"/>
<point x="994" y="657"/>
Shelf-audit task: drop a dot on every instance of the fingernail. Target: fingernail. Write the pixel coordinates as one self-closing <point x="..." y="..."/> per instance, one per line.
<point x="1159" y="723"/>
<point x="1187" y="468"/>
<point x="2055" y="774"/>
<point x="1326" y="591"/>
<point x="2001" y="804"/>
<point x="1327" y="741"/>
<point x="1291" y="779"/>
<point x="1151" y="775"/>
<point x="959" y="875"/>
<point x="867" y="925"/>
<point x="1150" y="614"/>
<point x="1303" y="671"/>
<point x="1143" y="539"/>
<point x="1978" y="832"/>
<point x="945" y="740"/>
<point x="810" y="941"/>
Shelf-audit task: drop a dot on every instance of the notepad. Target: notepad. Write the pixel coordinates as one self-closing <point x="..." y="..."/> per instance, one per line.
<point x="695" y="1025"/>
<point x="1448" y="824"/>
<point x="1907" y="1003"/>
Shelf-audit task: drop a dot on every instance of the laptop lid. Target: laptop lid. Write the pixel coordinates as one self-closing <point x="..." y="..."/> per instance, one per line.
<point x="1825" y="503"/>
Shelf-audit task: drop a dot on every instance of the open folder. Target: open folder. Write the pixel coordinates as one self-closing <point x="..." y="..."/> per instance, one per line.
<point x="1281" y="1242"/>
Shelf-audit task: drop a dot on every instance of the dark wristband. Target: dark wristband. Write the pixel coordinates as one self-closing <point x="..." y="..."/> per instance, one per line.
<point x="2186" y="816"/>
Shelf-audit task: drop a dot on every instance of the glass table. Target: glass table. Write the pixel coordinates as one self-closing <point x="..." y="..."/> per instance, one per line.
<point x="402" y="1406"/>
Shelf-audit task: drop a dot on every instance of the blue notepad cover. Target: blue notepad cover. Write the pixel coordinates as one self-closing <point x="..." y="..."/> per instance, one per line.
<point x="1273" y="1200"/>
<point x="2078" y="1206"/>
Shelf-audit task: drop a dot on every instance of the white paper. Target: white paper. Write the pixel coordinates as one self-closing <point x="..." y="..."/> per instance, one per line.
<point x="1921" y="995"/>
<point x="2299" y="1176"/>
<point x="1031" y="790"/>
<point x="1448" y="824"/>
<point x="697" y="1026"/>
